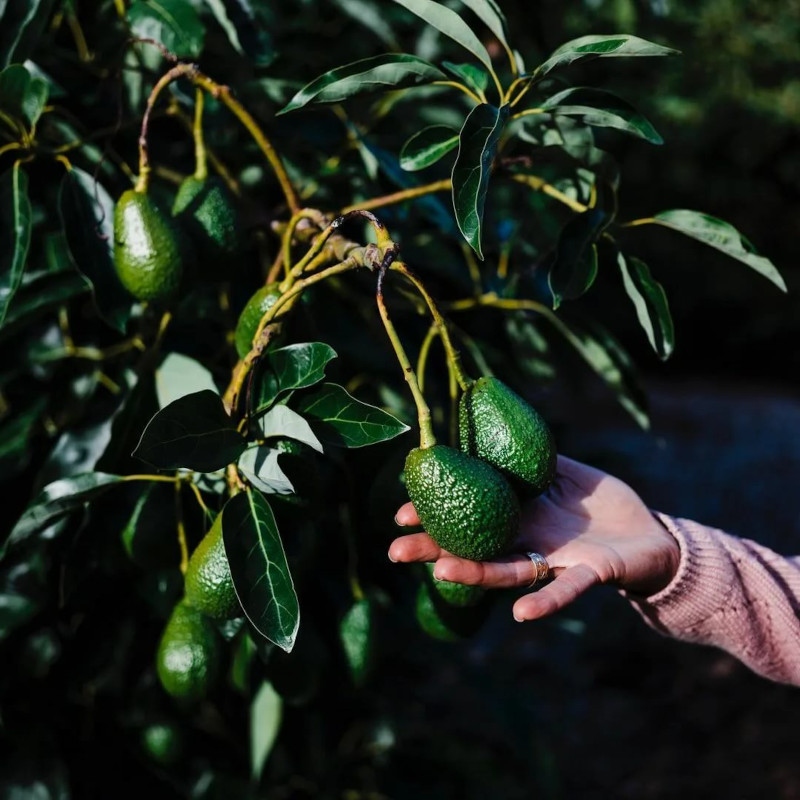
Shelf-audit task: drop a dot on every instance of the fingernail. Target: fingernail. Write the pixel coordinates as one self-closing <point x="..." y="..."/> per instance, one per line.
<point x="398" y="523"/>
<point x="393" y="560"/>
<point x="518" y="619"/>
<point x="436" y="577"/>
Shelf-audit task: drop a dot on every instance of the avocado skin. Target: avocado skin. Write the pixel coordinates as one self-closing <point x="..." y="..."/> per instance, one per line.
<point x="447" y="622"/>
<point x="456" y="594"/>
<point x="147" y="248"/>
<point x="466" y="506"/>
<point x="207" y="211"/>
<point x="261" y="301"/>
<point x="499" y="427"/>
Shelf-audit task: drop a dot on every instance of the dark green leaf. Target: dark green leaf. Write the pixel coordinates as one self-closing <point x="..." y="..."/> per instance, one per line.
<point x="721" y="236"/>
<point x="602" y="109"/>
<point x="244" y="29"/>
<point x="193" y="432"/>
<point x="22" y="97"/>
<point x="357" y="634"/>
<point x="476" y="150"/>
<point x="266" y="714"/>
<point x="376" y="74"/>
<point x="650" y="301"/>
<point x="427" y="147"/>
<point x="476" y="78"/>
<point x="23" y="591"/>
<point x="259" y="569"/>
<point x="15" y="435"/>
<point x="490" y="14"/>
<point x="282" y="422"/>
<point x="344" y="421"/>
<point x="574" y="266"/>
<point x="260" y="466"/>
<point x="289" y="368"/>
<point x="15" y="233"/>
<point x="371" y="17"/>
<point x="21" y="25"/>
<point x="180" y="375"/>
<point x="87" y="212"/>
<point x="174" y="23"/>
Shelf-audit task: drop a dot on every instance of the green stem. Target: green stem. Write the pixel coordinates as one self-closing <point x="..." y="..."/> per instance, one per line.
<point x="424" y="351"/>
<point x="201" y="166"/>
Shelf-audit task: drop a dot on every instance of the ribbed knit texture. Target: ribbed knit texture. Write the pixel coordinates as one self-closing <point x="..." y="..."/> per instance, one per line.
<point x="733" y="594"/>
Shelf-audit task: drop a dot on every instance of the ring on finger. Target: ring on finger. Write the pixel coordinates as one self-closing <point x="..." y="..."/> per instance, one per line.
<point x="541" y="569"/>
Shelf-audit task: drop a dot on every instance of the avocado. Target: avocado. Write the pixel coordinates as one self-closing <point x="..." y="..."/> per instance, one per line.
<point x="446" y="622"/>
<point x="357" y="632"/>
<point x="147" y="248"/>
<point x="456" y="594"/>
<point x="163" y="742"/>
<point x="255" y="308"/>
<point x="499" y="427"/>
<point x="465" y="505"/>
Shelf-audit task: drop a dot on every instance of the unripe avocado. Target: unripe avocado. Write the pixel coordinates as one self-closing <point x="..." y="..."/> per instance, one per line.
<point x="465" y="505"/>
<point x="258" y="305"/>
<point x="147" y="248"/>
<point x="499" y="427"/>
<point x="188" y="654"/>
<point x="456" y="594"/>
<point x="208" y="212"/>
<point x="208" y="584"/>
<point x="447" y="622"/>
<point x="430" y="620"/>
<point x="163" y="742"/>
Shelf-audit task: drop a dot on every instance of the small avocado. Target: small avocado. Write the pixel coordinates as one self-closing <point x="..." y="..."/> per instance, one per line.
<point x="208" y="583"/>
<point x="456" y="594"/>
<point x="147" y="248"/>
<point x="255" y="308"/>
<point x="444" y="621"/>
<point x="465" y="505"/>
<point x="357" y="633"/>
<point x="163" y="742"/>
<point x="499" y="427"/>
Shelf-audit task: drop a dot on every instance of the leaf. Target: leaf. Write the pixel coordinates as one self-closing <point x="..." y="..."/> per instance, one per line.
<point x="574" y="266"/>
<point x="450" y="24"/>
<point x="23" y="591"/>
<point x="87" y="213"/>
<point x="476" y="150"/>
<point x="282" y="421"/>
<point x="260" y="466"/>
<point x="15" y="233"/>
<point x="22" y="96"/>
<point x="427" y="146"/>
<point x="347" y="422"/>
<point x="174" y="23"/>
<point x="15" y="436"/>
<point x="57" y="500"/>
<point x="721" y="236"/>
<point x="180" y="375"/>
<point x="604" y="110"/>
<point x="367" y="14"/>
<point x="650" y="301"/>
<point x="357" y="634"/>
<point x="489" y="13"/>
<point x="289" y="368"/>
<point x="259" y="569"/>
<point x="21" y="25"/>
<point x="193" y="432"/>
<point x="594" y="46"/>
<point x="266" y="713"/>
<point x="376" y="74"/>
<point x="244" y="29"/>
<point x="476" y="78"/>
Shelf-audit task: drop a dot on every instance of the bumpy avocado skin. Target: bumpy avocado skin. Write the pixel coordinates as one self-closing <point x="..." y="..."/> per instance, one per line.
<point x="258" y="305"/>
<point x="208" y="212"/>
<point x="499" y="427"/>
<point x="208" y="585"/>
<point x="456" y="594"/>
<point x="147" y="249"/>
<point x="465" y="505"/>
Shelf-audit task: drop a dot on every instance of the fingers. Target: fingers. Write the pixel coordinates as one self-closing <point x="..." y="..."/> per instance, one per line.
<point x="415" y="547"/>
<point x="406" y="515"/>
<point x="499" y="574"/>
<point x="563" y="590"/>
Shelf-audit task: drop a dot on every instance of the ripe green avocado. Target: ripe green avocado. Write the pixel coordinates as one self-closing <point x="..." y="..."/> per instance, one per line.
<point x="147" y="248"/>
<point x="499" y="427"/>
<point x="187" y="661"/>
<point x="208" y="583"/>
<point x="207" y="211"/>
<point x="258" y="305"/>
<point x="466" y="506"/>
<point x="456" y="594"/>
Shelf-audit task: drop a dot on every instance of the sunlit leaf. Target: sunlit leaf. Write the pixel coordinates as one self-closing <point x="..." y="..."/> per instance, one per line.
<point x="22" y="96"/>
<point x="260" y="465"/>
<point x="15" y="233"/>
<point x="473" y="76"/>
<point x="21" y="24"/>
<point x="180" y="375"/>
<point x="357" y="634"/>
<point x="427" y="146"/>
<point x="490" y="14"/>
<point x="281" y="421"/>
<point x="266" y="713"/>
<point x="245" y="31"/>
<point x="174" y="23"/>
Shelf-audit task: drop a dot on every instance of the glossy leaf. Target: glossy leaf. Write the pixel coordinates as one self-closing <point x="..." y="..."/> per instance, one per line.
<point x="615" y="45"/>
<point x="344" y="421"/>
<point x="259" y="569"/>
<point x="427" y="146"/>
<point x="266" y="713"/>
<point x="174" y="23"/>
<point x="21" y="25"/>
<point x="450" y="24"/>
<point x="476" y="150"/>
<point x="721" y="236"/>
<point x="289" y="368"/>
<point x="650" y="301"/>
<point x="180" y="375"/>
<point x="281" y="421"/>
<point x="22" y="96"/>
<point x="15" y="233"/>
<point x="260" y="466"/>
<point x="490" y="14"/>
<point x="193" y="432"/>
<point x="376" y="74"/>
<point x="473" y="76"/>
<point x="87" y="213"/>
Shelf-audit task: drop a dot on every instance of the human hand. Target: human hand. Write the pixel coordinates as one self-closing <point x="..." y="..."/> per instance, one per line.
<point x="591" y="527"/>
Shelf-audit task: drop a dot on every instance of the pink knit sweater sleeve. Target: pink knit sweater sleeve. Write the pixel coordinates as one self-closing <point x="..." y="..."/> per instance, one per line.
<point x="734" y="594"/>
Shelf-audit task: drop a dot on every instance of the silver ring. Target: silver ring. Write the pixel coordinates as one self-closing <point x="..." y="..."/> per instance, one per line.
<point x="541" y="569"/>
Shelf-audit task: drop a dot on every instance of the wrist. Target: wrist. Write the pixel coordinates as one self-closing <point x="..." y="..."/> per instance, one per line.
<point x="663" y="560"/>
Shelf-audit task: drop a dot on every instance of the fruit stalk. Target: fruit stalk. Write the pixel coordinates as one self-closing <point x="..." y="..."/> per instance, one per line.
<point x="201" y="167"/>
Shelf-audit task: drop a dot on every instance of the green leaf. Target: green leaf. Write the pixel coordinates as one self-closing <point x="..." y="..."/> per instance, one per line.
<point x="371" y="17"/>
<point x="476" y="78"/>
<point x="721" y="236"/>
<point x="56" y="501"/>
<point x="376" y="74"/>
<point x="87" y="213"/>
<point x="281" y="421"/>
<point x="602" y="109"/>
<point x="574" y="266"/>
<point x="357" y="635"/>
<point x="22" y="96"/>
<point x="180" y="375"/>
<point x="476" y="150"/>
<point x="650" y="301"/>
<point x="289" y="368"/>
<point x="259" y="569"/>
<point x="594" y="46"/>
<point x="427" y="146"/>
<point x="193" y="432"/>
<point x="346" y="422"/>
<point x="15" y="233"/>
<point x="23" y="593"/>
<point x="260" y="466"/>
<point x="174" y="23"/>
<point x="244" y="30"/>
<point x="21" y="25"/>
<point x="15" y="435"/>
<point x="266" y="713"/>
<point x="490" y="14"/>
<point x="450" y="24"/>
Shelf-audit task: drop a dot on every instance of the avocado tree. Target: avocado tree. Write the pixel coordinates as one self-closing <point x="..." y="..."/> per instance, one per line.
<point x="220" y="285"/>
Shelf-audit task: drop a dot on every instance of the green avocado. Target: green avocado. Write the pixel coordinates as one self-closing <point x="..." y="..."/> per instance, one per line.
<point x="208" y="583"/>
<point x="258" y="305"/>
<point x="147" y="248"/>
<point x="163" y="742"/>
<point x="187" y="661"/>
<point x="444" y="621"/>
<point x="465" y="505"/>
<point x="456" y="594"/>
<point x="357" y="632"/>
<point x="499" y="427"/>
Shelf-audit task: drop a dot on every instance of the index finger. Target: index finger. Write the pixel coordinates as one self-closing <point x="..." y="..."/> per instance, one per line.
<point x="407" y="515"/>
